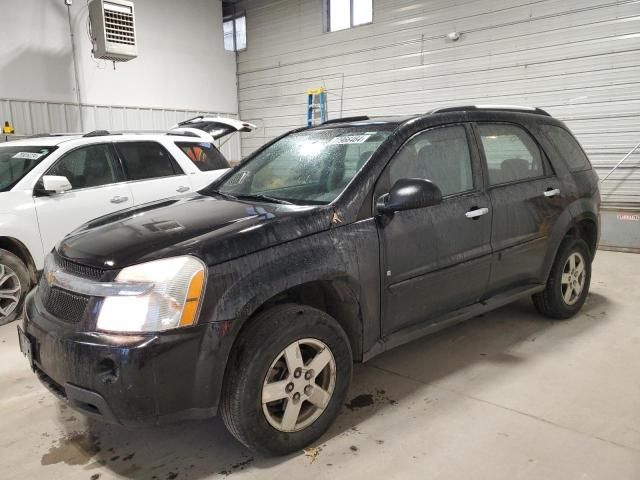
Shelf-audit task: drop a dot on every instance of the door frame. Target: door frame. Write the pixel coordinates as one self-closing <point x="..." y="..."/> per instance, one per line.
<point x="550" y="174"/>
<point x="382" y="185"/>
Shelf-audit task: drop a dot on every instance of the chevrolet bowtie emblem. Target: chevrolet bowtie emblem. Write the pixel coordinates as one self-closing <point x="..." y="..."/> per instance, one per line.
<point x="51" y="276"/>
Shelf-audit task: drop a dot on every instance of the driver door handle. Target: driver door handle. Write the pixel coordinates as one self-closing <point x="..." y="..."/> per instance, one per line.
<point x="476" y="212"/>
<point x="552" y="192"/>
<point x="182" y="189"/>
<point x="119" y="199"/>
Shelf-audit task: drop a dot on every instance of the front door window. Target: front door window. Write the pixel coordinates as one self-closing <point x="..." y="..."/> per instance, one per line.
<point x="440" y="155"/>
<point x="87" y="167"/>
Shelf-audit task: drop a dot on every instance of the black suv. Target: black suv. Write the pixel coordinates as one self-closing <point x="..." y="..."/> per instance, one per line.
<point x="327" y="246"/>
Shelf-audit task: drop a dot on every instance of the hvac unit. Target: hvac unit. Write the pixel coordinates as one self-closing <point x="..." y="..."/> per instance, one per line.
<point x="113" y="30"/>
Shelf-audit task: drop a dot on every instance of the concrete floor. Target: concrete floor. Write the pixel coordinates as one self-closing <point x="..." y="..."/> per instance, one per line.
<point x="508" y="395"/>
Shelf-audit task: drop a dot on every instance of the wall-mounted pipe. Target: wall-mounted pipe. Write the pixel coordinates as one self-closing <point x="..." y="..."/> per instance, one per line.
<point x="75" y="65"/>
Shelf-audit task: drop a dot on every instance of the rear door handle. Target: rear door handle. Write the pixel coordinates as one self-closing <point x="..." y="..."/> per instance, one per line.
<point x="552" y="192"/>
<point x="476" y="212"/>
<point x="119" y="199"/>
<point x="182" y="189"/>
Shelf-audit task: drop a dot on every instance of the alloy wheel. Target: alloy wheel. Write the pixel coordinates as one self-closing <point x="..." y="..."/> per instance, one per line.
<point x="298" y="385"/>
<point x="573" y="278"/>
<point x="10" y="291"/>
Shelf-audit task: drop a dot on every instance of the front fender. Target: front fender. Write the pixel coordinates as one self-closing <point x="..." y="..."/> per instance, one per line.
<point x="347" y="255"/>
<point x="237" y="288"/>
<point x="23" y="228"/>
<point x="242" y="285"/>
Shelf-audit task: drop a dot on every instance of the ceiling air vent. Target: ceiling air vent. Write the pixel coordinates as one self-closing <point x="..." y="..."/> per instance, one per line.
<point x="113" y="30"/>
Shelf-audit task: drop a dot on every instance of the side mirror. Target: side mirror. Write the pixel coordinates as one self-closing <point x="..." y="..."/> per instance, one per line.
<point x="409" y="194"/>
<point x="55" y="184"/>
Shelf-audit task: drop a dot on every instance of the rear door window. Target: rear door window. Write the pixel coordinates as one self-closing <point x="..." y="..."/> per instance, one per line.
<point x="568" y="147"/>
<point x="90" y="166"/>
<point x="511" y="153"/>
<point x="204" y="155"/>
<point x="146" y="160"/>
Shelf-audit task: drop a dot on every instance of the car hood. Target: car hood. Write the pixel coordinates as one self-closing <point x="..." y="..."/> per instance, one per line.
<point x="213" y="228"/>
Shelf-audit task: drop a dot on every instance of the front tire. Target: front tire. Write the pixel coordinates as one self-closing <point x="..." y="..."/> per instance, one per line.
<point x="568" y="284"/>
<point x="14" y="286"/>
<point x="287" y="379"/>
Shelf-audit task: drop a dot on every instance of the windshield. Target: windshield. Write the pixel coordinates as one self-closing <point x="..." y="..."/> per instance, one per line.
<point x="16" y="162"/>
<point x="309" y="167"/>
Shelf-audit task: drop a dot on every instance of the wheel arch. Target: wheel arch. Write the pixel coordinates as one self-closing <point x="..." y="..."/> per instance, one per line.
<point x="21" y="251"/>
<point x="587" y="229"/>
<point x="335" y="296"/>
<point x="585" y="226"/>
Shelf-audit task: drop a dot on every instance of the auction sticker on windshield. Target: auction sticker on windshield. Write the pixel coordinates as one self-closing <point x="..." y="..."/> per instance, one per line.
<point x="28" y="155"/>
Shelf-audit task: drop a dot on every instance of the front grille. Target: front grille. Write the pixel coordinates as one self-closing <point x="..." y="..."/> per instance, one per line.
<point x="66" y="306"/>
<point x="77" y="269"/>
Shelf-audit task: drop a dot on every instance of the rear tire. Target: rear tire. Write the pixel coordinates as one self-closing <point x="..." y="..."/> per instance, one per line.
<point x="286" y="380"/>
<point x="568" y="284"/>
<point x="15" y="283"/>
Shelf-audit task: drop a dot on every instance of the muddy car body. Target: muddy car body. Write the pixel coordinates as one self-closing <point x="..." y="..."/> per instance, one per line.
<point x="381" y="262"/>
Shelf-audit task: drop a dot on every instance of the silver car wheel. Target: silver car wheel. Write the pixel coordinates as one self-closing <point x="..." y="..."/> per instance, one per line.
<point x="298" y="385"/>
<point x="573" y="278"/>
<point x="10" y="291"/>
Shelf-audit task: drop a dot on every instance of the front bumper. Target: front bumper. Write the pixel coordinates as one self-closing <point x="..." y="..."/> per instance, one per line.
<point x="128" y="379"/>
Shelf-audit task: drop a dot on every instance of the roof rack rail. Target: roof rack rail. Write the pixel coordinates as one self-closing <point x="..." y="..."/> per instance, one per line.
<point x="182" y="133"/>
<point x="97" y="133"/>
<point x="506" y="108"/>
<point x="346" y="119"/>
<point x="46" y="135"/>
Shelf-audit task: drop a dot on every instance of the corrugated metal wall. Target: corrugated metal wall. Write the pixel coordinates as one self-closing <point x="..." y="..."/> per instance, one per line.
<point x="32" y="117"/>
<point x="580" y="60"/>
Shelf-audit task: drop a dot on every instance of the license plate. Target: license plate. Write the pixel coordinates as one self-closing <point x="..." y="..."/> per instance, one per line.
<point x="26" y="347"/>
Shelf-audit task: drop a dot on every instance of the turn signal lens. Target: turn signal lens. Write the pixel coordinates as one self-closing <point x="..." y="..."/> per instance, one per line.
<point x="193" y="299"/>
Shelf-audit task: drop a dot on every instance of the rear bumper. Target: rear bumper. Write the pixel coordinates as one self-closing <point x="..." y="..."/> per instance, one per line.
<point x="128" y="379"/>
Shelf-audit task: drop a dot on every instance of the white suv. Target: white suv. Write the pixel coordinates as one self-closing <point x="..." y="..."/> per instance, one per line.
<point x="51" y="185"/>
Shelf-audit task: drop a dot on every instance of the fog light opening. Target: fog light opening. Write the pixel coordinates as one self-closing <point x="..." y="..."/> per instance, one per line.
<point x="107" y="371"/>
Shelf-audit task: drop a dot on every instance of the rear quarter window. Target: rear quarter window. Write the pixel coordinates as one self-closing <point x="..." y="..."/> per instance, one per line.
<point x="203" y="155"/>
<point x="567" y="147"/>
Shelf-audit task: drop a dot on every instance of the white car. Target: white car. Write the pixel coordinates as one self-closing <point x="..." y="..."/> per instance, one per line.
<point x="51" y="185"/>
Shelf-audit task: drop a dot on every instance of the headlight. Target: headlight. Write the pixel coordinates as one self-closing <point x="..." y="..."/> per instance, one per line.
<point x="173" y="300"/>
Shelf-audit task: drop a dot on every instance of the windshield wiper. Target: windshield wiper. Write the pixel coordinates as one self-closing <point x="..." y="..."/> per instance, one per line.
<point x="223" y="194"/>
<point x="260" y="196"/>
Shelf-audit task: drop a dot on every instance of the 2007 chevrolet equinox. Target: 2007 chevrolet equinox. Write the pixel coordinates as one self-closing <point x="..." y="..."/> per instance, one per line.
<point x="327" y="246"/>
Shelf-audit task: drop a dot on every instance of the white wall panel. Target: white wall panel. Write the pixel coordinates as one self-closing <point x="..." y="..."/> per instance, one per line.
<point x="181" y="62"/>
<point x="181" y="59"/>
<point x="32" y="117"/>
<point x="578" y="59"/>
